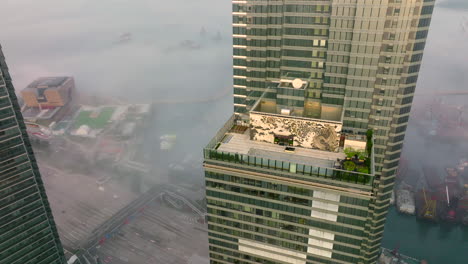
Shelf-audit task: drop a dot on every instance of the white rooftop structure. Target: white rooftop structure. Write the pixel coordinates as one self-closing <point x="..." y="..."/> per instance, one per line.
<point x="83" y="130"/>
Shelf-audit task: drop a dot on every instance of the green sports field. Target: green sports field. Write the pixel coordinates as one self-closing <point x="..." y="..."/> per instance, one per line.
<point x="84" y="118"/>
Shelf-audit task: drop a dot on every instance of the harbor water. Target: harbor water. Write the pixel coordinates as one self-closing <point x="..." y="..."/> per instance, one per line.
<point x="436" y="243"/>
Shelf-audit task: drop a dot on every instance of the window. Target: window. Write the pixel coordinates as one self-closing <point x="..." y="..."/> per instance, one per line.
<point x="411" y="79"/>
<point x="400" y="129"/>
<point x="419" y="46"/>
<point x="409" y="90"/>
<point x="426" y="10"/>
<point x="414" y="68"/>
<point x="421" y="34"/>
<point x="405" y="110"/>
<point x="416" y="57"/>
<point x="407" y="100"/>
<point x="398" y="146"/>
<point x="402" y="120"/>
<point x="390" y="48"/>
<point x="425" y="22"/>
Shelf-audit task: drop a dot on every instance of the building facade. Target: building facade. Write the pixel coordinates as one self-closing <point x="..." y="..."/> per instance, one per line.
<point x="349" y="61"/>
<point x="28" y="234"/>
<point x="48" y="92"/>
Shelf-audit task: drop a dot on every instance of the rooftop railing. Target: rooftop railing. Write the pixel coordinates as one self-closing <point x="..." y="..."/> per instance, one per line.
<point x="289" y="167"/>
<point x="336" y="174"/>
<point x="222" y="132"/>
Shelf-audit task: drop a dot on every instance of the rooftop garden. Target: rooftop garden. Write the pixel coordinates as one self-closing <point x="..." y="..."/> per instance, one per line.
<point x="359" y="174"/>
<point x="338" y="174"/>
<point x="359" y="160"/>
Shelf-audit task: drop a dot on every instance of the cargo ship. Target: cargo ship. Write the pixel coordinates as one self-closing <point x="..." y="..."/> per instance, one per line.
<point x="443" y="199"/>
<point x="426" y="206"/>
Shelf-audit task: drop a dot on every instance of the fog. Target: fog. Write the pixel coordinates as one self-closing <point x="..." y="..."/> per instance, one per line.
<point x="444" y="68"/>
<point x="81" y="38"/>
<point x="190" y="82"/>
<point x="78" y="38"/>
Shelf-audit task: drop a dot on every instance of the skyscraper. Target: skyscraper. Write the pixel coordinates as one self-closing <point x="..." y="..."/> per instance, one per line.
<point x="350" y="65"/>
<point x="27" y="230"/>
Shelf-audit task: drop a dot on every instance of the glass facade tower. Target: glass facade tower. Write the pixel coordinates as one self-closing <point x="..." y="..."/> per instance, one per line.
<point x="28" y="234"/>
<point x="355" y="62"/>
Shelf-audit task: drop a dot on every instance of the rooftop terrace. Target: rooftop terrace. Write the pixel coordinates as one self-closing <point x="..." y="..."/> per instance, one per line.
<point x="241" y="144"/>
<point x="235" y="143"/>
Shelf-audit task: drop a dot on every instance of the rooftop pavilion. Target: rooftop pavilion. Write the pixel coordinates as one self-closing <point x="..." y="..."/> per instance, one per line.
<point x="294" y="144"/>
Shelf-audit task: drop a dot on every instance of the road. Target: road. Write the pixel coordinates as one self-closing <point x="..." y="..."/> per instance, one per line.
<point x="159" y="235"/>
<point x="79" y="205"/>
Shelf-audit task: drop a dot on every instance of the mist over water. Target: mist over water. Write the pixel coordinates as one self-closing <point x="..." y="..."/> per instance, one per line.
<point x="79" y="38"/>
<point x="192" y="83"/>
<point x="444" y="69"/>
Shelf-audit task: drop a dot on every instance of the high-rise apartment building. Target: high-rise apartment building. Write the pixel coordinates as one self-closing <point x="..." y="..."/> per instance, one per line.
<point x="28" y="234"/>
<point x="350" y="65"/>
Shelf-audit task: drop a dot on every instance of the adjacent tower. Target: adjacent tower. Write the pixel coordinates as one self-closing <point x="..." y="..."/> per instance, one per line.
<point x="27" y="230"/>
<point x="346" y="65"/>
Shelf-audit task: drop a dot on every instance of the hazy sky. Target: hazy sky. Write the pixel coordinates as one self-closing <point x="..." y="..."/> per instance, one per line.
<point x="453" y="3"/>
<point x="54" y="37"/>
<point x="78" y="37"/>
<point x="51" y="37"/>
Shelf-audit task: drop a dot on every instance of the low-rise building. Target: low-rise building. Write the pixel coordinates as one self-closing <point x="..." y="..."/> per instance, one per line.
<point x="48" y="92"/>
